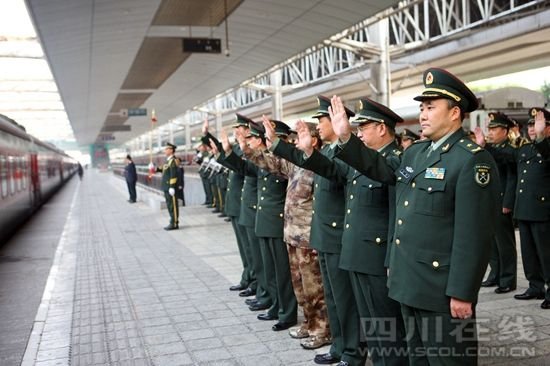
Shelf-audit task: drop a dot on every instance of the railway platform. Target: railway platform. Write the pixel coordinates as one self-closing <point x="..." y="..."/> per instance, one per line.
<point x="122" y="291"/>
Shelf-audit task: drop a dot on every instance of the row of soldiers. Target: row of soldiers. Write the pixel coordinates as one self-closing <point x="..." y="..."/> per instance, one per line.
<point x="384" y="250"/>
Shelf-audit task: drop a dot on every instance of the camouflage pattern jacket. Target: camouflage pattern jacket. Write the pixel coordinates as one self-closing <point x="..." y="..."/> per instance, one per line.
<point x="299" y="196"/>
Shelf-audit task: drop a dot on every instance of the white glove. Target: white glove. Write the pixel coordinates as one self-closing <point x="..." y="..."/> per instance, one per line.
<point x="171" y="191"/>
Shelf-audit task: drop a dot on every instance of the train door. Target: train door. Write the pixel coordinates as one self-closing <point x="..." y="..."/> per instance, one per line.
<point x="35" y="180"/>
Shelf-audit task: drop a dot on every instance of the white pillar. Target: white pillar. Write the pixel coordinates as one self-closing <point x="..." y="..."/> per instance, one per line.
<point x="188" y="145"/>
<point x="380" y="72"/>
<point x="277" y="95"/>
<point x="171" y="126"/>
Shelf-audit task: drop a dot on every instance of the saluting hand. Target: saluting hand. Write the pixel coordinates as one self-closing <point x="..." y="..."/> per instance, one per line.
<point x="461" y="309"/>
<point x="225" y="142"/>
<point x="304" y="138"/>
<point x="339" y="119"/>
<point x="480" y="137"/>
<point x="269" y="131"/>
<point x="214" y="148"/>
<point x="540" y="124"/>
<point x="205" y="126"/>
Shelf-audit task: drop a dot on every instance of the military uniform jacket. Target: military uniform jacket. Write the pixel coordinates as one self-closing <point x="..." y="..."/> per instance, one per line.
<point x="270" y="198"/>
<point x="504" y="156"/>
<point x="369" y="215"/>
<point x="327" y="222"/>
<point x="533" y="188"/>
<point x="446" y="204"/>
<point x="299" y="196"/>
<point x="235" y="182"/>
<point x="169" y="174"/>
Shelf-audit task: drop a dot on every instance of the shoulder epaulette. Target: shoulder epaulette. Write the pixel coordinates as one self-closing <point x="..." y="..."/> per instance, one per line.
<point x="397" y="152"/>
<point x="469" y="145"/>
<point x="422" y="141"/>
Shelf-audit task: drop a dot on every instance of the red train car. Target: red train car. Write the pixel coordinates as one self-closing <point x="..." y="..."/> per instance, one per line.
<point x="30" y="172"/>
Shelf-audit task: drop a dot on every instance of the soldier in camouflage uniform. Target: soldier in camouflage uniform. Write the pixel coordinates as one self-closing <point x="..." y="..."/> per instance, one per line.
<point x="304" y="262"/>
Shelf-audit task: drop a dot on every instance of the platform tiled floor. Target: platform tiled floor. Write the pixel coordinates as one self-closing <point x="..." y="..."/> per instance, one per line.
<point x="125" y="292"/>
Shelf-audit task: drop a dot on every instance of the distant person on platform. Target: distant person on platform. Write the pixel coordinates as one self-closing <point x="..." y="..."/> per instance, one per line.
<point x="169" y="184"/>
<point x="408" y="138"/>
<point x="80" y="171"/>
<point x="131" y="178"/>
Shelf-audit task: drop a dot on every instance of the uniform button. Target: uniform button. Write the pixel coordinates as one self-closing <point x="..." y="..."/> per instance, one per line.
<point x="254" y="207"/>
<point x="263" y="188"/>
<point x="351" y="196"/>
<point x="429" y="189"/>
<point x="435" y="264"/>
<point x="414" y="184"/>
<point x="522" y="181"/>
<point x="347" y="226"/>
<point x="525" y="171"/>
<point x="462" y="140"/>
<point x="241" y="198"/>
<point x="378" y="240"/>
<point x="354" y="182"/>
<point x="398" y="178"/>
<point x="333" y="224"/>
<point x="262" y="198"/>
<point x="349" y="211"/>
<point x="370" y="185"/>
<point x="406" y="203"/>
<point x="400" y="222"/>
<point x="242" y="189"/>
<point x="259" y="207"/>
<point x="280" y="215"/>
<point x="312" y="212"/>
<point x="316" y="185"/>
<point x="227" y="189"/>
<point x="276" y="181"/>
<point x="527" y="162"/>
<point x="521" y="191"/>
<point x="397" y="241"/>
<point x="265" y="178"/>
<point x="542" y="198"/>
<point x="314" y="198"/>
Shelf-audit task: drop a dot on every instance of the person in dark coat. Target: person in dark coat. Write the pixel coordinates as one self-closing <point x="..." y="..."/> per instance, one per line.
<point x="131" y="178"/>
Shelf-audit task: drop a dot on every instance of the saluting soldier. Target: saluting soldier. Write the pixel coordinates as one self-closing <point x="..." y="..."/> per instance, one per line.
<point x="408" y="138"/>
<point x="446" y="201"/>
<point x="532" y="209"/>
<point x="327" y="227"/>
<point x="269" y="229"/>
<point x="369" y="219"/>
<point x="202" y="158"/>
<point x="169" y="183"/>
<point x="503" y="260"/>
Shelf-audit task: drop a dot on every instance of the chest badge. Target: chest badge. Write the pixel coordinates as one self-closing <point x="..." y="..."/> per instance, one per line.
<point x="435" y="173"/>
<point x="482" y="174"/>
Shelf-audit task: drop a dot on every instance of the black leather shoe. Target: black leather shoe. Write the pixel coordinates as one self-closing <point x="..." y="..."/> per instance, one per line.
<point x="258" y="306"/>
<point x="267" y="316"/>
<point x="325" y="359"/>
<point x="251" y="301"/>
<point x="503" y="290"/>
<point x="545" y="304"/>
<point x="488" y="283"/>
<point x="222" y="215"/>
<point x="247" y="292"/>
<point x="282" y="326"/>
<point x="238" y="287"/>
<point x="216" y="211"/>
<point x="171" y="227"/>
<point x="227" y="219"/>
<point x="528" y="296"/>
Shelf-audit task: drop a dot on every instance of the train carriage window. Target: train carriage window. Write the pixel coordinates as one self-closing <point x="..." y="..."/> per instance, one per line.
<point x="18" y="173"/>
<point x="24" y="172"/>
<point x="11" y="174"/>
<point x="3" y="176"/>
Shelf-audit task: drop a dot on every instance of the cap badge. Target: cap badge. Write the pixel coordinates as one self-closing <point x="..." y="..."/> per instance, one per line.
<point x="319" y="102"/>
<point x="273" y="124"/>
<point x="429" y="78"/>
<point x="534" y="112"/>
<point x="491" y="116"/>
<point x="360" y="104"/>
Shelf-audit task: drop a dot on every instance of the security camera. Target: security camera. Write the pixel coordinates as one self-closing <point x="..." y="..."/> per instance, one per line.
<point x="227" y="53"/>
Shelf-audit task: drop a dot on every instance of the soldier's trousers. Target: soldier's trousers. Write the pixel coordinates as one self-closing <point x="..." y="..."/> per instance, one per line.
<point x="172" y="207"/>
<point x="207" y="190"/>
<point x="257" y="265"/>
<point x="381" y="320"/>
<point x="277" y="272"/>
<point x="308" y="288"/>
<point x="247" y="276"/>
<point x="535" y="253"/>
<point x="503" y="260"/>
<point x="342" y="311"/>
<point x="437" y="339"/>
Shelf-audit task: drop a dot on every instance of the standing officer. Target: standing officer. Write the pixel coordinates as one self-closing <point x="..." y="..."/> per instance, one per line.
<point x="503" y="260"/>
<point x="169" y="183"/>
<point x="327" y="226"/>
<point x="131" y="178"/>
<point x="407" y="138"/>
<point x="532" y="208"/>
<point x="446" y="201"/>
<point x="368" y="226"/>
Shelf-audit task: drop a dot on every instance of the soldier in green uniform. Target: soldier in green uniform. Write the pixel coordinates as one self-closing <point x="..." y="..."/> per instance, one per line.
<point x="202" y="158"/>
<point x="369" y="219"/>
<point x="169" y="183"/>
<point x="269" y="229"/>
<point x="407" y="138"/>
<point x="532" y="209"/>
<point x="327" y="226"/>
<point x="447" y="190"/>
<point x="503" y="260"/>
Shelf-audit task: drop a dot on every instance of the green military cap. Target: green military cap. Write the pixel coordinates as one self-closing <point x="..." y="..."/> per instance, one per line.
<point x="408" y="134"/>
<point x="498" y="119"/>
<point x="241" y="121"/>
<point x="281" y="128"/>
<point x="322" y="110"/>
<point x="170" y="146"/>
<point x="533" y="112"/>
<point x="440" y="83"/>
<point x="371" y="111"/>
<point x="256" y="130"/>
